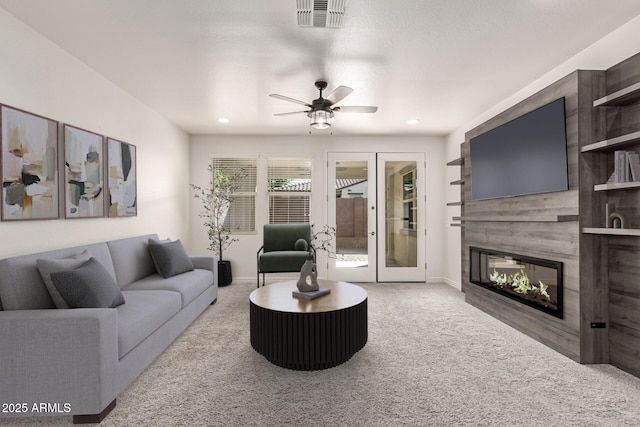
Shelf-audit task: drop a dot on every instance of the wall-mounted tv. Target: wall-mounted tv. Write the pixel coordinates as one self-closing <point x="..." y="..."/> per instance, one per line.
<point x="527" y="155"/>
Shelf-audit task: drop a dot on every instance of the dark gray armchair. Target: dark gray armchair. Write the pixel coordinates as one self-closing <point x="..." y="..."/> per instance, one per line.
<point x="285" y="248"/>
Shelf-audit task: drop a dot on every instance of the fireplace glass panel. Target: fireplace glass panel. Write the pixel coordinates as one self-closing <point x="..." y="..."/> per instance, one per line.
<point x="532" y="281"/>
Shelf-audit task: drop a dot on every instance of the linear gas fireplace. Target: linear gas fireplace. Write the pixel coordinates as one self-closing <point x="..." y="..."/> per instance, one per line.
<point x="531" y="281"/>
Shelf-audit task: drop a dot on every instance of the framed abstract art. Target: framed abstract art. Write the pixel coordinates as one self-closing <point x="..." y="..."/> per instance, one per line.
<point x="83" y="173"/>
<point x="30" y="186"/>
<point x="123" y="196"/>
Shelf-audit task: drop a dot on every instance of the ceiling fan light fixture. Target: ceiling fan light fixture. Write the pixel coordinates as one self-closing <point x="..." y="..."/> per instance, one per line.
<point x="320" y="119"/>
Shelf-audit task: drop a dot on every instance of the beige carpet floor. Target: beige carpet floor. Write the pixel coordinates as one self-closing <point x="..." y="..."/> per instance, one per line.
<point x="431" y="360"/>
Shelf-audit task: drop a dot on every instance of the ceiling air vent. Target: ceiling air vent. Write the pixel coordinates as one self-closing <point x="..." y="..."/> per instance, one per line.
<point x="321" y="13"/>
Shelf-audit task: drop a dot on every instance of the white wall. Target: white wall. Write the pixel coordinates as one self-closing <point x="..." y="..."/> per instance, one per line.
<point x="608" y="51"/>
<point x="39" y="77"/>
<point x="243" y="253"/>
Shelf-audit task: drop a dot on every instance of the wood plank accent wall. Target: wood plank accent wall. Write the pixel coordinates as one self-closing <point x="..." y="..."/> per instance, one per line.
<point x="594" y="342"/>
<point x="623" y="251"/>
<point x="558" y="241"/>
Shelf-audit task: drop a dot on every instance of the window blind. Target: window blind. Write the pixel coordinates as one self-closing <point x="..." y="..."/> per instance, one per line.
<point x="289" y="190"/>
<point x="241" y="217"/>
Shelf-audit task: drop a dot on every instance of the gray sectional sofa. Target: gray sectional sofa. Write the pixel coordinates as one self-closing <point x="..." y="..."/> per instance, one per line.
<point x="76" y="361"/>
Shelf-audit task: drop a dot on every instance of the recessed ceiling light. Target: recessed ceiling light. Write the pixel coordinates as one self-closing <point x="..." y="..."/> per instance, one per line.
<point x="223" y="120"/>
<point x="413" y="121"/>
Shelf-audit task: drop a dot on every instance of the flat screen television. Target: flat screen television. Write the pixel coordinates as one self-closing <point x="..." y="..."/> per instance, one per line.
<point x="527" y="155"/>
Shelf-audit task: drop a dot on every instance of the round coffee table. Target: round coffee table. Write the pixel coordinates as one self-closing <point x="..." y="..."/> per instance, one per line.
<point x="307" y="335"/>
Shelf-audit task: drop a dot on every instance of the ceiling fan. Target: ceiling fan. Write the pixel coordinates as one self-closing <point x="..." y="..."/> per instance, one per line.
<point x="322" y="109"/>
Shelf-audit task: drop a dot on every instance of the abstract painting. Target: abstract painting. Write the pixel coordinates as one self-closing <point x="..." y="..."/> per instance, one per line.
<point x="83" y="173"/>
<point x="123" y="197"/>
<point x="29" y="166"/>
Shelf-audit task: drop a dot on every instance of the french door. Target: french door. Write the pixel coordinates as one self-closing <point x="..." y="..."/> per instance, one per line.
<point x="376" y="201"/>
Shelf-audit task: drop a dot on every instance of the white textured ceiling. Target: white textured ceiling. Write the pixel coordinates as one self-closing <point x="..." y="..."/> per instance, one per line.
<point x="440" y="61"/>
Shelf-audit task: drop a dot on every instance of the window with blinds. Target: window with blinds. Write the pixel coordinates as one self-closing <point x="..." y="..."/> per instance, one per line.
<point x="241" y="217"/>
<point x="289" y="190"/>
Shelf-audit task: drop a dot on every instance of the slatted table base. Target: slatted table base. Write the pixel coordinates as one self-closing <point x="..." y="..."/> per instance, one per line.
<point x="308" y="341"/>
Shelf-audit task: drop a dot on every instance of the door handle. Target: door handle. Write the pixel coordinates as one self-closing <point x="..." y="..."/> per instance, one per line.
<point x="373" y="233"/>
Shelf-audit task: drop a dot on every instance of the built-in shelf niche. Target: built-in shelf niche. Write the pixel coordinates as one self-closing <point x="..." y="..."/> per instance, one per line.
<point x="616" y="186"/>
<point x="457" y="162"/>
<point x="625" y="96"/>
<point x="620" y="98"/>
<point x="612" y="231"/>
<point x="537" y="218"/>
<point x="613" y="143"/>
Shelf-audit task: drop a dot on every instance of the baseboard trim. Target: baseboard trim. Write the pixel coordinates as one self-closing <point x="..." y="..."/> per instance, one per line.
<point x="452" y="283"/>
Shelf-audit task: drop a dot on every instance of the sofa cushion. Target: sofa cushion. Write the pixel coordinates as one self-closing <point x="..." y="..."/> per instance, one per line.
<point x="144" y="312"/>
<point x="21" y="285"/>
<point x="131" y="259"/>
<point x="88" y="286"/>
<point x="190" y="284"/>
<point x="48" y="266"/>
<point x="280" y="261"/>
<point x="169" y="258"/>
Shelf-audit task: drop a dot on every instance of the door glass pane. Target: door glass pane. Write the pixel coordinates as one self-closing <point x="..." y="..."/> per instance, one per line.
<point x="400" y="214"/>
<point x="352" y="192"/>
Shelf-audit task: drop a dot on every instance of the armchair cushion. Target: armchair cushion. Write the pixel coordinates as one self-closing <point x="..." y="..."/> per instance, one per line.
<point x="283" y="237"/>
<point x="282" y="261"/>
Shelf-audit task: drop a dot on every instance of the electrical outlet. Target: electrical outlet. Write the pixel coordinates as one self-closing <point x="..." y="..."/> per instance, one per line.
<point x="598" y="325"/>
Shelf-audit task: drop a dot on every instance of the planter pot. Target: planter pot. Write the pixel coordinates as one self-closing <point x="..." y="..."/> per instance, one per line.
<point x="224" y="273"/>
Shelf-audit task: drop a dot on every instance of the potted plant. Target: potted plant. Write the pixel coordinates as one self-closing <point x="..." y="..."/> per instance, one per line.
<point x="216" y="201"/>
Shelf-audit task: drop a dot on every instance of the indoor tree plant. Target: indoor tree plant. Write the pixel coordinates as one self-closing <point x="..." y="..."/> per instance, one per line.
<point x="216" y="201"/>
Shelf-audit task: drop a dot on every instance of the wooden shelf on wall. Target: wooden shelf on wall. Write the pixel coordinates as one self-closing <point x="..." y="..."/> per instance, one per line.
<point x="455" y="204"/>
<point x="613" y="143"/>
<point x="456" y="224"/>
<point x="616" y="186"/>
<point x="456" y="162"/>
<point x="628" y="95"/>
<point x="613" y="231"/>
<point x="536" y="218"/>
<point x="458" y="182"/>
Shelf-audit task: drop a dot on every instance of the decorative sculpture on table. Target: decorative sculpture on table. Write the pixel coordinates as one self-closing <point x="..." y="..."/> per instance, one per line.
<point x="308" y="280"/>
<point x="308" y="287"/>
<point x="616" y="219"/>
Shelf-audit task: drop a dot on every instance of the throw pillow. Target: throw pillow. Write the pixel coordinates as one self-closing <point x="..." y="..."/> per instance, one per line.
<point x="170" y="258"/>
<point x="48" y="266"/>
<point x="88" y="286"/>
<point x="301" y="245"/>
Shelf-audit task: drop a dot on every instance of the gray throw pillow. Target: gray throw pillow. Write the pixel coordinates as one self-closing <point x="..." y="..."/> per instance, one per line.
<point x="88" y="286"/>
<point x="169" y="258"/>
<point x="48" y="266"/>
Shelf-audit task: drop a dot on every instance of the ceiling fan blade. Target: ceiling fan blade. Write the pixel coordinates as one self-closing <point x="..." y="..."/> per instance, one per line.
<point x="288" y="114"/>
<point x="286" y="98"/>
<point x="356" y="109"/>
<point x="338" y="94"/>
